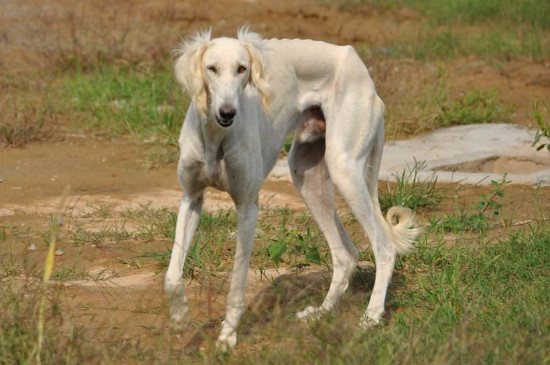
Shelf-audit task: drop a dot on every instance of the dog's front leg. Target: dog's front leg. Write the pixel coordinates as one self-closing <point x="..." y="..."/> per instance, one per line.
<point x="187" y="222"/>
<point x="248" y="217"/>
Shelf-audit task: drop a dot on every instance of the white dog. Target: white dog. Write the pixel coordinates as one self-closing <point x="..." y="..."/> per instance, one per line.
<point x="247" y="95"/>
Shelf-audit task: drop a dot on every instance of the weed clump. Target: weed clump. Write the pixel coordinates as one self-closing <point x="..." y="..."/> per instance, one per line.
<point x="475" y="107"/>
<point x="19" y="127"/>
<point x="544" y="126"/>
<point x="413" y="191"/>
<point x="479" y="219"/>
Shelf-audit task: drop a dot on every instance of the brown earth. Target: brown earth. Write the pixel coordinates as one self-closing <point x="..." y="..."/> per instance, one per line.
<point x="129" y="300"/>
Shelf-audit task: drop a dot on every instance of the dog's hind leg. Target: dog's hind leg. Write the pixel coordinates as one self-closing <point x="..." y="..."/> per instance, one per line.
<point x="354" y="149"/>
<point x="188" y="219"/>
<point x="350" y="181"/>
<point x="311" y="177"/>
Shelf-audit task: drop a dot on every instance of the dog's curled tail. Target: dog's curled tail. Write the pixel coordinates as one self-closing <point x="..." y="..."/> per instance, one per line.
<point x="404" y="231"/>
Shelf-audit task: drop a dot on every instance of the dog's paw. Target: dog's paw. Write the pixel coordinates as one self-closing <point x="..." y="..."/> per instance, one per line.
<point x="227" y="343"/>
<point x="310" y="314"/>
<point x="180" y="317"/>
<point x="368" y="323"/>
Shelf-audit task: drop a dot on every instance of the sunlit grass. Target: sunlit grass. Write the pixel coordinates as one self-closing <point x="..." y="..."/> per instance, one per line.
<point x="431" y="42"/>
<point x="120" y="101"/>
<point x="492" y="29"/>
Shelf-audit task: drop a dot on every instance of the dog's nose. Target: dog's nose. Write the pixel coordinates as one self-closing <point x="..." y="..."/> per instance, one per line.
<point x="227" y="112"/>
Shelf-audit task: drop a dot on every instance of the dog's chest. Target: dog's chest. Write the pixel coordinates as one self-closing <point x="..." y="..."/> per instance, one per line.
<point x="212" y="171"/>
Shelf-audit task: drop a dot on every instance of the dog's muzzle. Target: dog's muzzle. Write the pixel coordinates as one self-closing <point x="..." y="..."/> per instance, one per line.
<point x="227" y="115"/>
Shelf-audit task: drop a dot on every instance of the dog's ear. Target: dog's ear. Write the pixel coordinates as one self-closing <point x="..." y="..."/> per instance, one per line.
<point x="255" y="46"/>
<point x="189" y="71"/>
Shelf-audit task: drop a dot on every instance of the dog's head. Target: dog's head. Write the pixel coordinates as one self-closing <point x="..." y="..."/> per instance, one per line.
<point x="216" y="71"/>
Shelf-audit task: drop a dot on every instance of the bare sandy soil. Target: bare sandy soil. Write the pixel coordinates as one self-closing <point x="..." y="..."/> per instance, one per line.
<point x="129" y="302"/>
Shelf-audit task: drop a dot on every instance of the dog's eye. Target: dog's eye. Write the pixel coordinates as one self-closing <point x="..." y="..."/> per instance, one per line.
<point x="241" y="69"/>
<point x="212" y="69"/>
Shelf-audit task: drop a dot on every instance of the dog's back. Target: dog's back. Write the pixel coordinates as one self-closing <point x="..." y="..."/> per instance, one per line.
<point x="318" y="66"/>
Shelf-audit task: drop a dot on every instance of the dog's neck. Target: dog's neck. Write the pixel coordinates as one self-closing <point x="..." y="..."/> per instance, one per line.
<point x="213" y="136"/>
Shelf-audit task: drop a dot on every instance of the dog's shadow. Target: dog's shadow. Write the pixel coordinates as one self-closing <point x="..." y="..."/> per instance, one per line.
<point x="288" y="294"/>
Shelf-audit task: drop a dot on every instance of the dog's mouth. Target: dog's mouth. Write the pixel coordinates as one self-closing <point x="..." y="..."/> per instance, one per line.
<point x="224" y="122"/>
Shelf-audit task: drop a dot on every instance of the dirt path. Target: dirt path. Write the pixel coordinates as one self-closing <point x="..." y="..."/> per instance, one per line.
<point x="99" y="172"/>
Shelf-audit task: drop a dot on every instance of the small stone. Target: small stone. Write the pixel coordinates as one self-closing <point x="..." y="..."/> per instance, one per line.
<point x="32" y="247"/>
<point x="59" y="252"/>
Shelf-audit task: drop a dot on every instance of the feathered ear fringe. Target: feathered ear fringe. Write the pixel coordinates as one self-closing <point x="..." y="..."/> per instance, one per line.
<point x="188" y="68"/>
<point x="256" y="48"/>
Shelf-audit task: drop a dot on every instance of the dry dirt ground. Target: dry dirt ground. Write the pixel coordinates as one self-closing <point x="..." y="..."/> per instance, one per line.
<point x="129" y="302"/>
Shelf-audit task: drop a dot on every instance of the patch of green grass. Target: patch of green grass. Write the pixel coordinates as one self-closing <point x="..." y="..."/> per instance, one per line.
<point x="163" y="257"/>
<point x="428" y="44"/>
<point x="70" y="272"/>
<point x="475" y="107"/>
<point x="226" y="219"/>
<point x="148" y="224"/>
<point x="466" y="12"/>
<point x="503" y="12"/>
<point x="210" y="250"/>
<point x="205" y="256"/>
<point x="412" y="107"/>
<point x="544" y="126"/>
<point x="413" y="191"/>
<point x="502" y="44"/>
<point x="469" y="304"/>
<point x="17" y="330"/>
<point x="213" y="247"/>
<point x="116" y="233"/>
<point x="505" y="44"/>
<point x="493" y="29"/>
<point x="21" y="126"/>
<point x="99" y="211"/>
<point x="290" y="239"/>
<point x="208" y="253"/>
<point x="297" y="249"/>
<point x="161" y="223"/>
<point x="485" y="302"/>
<point x="145" y="103"/>
<point x="436" y="110"/>
<point x="479" y="218"/>
<point x="62" y="341"/>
